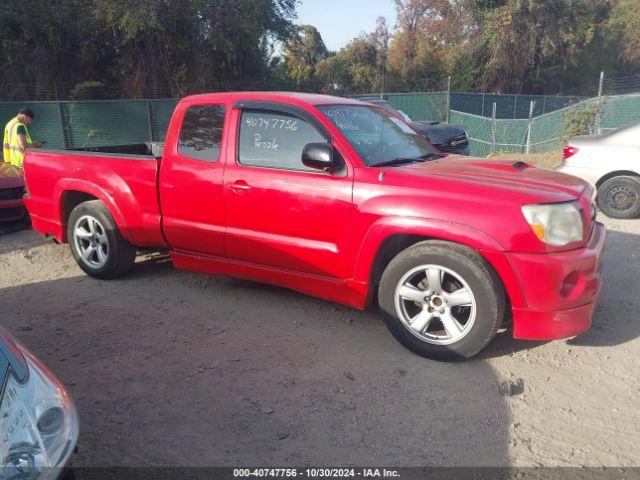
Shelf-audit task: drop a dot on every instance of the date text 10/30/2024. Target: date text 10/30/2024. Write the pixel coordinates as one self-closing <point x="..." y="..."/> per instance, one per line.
<point x="315" y="473"/>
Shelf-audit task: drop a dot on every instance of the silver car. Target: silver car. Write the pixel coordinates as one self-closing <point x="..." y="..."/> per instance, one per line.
<point x="611" y="162"/>
<point x="38" y="420"/>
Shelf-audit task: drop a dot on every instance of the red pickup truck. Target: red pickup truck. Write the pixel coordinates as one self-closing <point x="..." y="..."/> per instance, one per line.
<point x="342" y="200"/>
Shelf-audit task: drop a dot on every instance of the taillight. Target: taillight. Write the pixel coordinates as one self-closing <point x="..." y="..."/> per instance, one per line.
<point x="569" y="151"/>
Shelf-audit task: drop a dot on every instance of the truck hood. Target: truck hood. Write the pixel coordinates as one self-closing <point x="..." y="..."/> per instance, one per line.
<point x="10" y="176"/>
<point x="498" y="180"/>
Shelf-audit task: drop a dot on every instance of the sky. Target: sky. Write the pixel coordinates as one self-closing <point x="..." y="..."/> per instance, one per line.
<point x="341" y="20"/>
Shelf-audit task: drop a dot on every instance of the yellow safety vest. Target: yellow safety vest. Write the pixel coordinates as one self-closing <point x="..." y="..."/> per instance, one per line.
<point x="11" y="147"/>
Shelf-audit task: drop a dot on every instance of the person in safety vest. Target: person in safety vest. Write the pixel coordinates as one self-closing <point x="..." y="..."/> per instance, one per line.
<point x="17" y="139"/>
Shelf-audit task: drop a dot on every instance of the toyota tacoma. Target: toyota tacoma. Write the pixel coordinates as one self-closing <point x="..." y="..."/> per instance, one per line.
<point x="342" y="200"/>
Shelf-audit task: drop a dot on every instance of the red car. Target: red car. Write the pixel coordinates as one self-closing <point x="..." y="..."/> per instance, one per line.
<point x="342" y="200"/>
<point x="11" y="191"/>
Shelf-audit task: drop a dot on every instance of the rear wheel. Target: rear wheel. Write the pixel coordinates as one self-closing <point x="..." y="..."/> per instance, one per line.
<point x="441" y="300"/>
<point x="96" y="242"/>
<point x="619" y="197"/>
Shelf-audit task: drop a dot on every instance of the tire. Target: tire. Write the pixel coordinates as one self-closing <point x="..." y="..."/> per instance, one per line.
<point x="96" y="242"/>
<point x="619" y="197"/>
<point x="478" y="307"/>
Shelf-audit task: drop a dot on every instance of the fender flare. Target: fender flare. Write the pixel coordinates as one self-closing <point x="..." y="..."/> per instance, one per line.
<point x="486" y="246"/>
<point x="76" y="185"/>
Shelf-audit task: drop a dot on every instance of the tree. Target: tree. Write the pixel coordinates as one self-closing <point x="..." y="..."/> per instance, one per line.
<point x="361" y="61"/>
<point x="353" y="69"/>
<point x="155" y="41"/>
<point x="168" y="46"/>
<point x="136" y="48"/>
<point x="302" y="52"/>
<point x="47" y="46"/>
<point x="153" y="48"/>
<point x="333" y="75"/>
<point x="379" y="38"/>
<point x="625" y="21"/>
<point x="537" y="45"/>
<point x="418" y="49"/>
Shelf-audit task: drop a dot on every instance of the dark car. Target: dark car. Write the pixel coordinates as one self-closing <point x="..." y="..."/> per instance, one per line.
<point x="11" y="192"/>
<point x="38" y="419"/>
<point x="445" y="137"/>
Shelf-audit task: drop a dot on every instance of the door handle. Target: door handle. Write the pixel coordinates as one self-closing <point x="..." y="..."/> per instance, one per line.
<point x="239" y="185"/>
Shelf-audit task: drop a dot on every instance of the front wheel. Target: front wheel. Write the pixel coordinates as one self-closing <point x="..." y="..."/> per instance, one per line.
<point x="619" y="197"/>
<point x="441" y="300"/>
<point x="96" y="242"/>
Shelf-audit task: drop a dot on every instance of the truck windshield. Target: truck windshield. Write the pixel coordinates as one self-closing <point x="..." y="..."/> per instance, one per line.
<point x="379" y="137"/>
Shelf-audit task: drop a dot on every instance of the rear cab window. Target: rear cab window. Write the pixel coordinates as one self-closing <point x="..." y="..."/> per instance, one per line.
<point x="275" y="140"/>
<point x="201" y="132"/>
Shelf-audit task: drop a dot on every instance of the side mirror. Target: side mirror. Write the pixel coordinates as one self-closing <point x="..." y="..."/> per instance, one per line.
<point x="319" y="156"/>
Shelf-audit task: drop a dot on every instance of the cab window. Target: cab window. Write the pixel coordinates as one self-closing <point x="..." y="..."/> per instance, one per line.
<point x="201" y="132"/>
<point x="275" y="140"/>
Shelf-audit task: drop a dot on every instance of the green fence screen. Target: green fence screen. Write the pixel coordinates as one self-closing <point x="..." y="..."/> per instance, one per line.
<point x="421" y="106"/>
<point x="47" y="125"/>
<point x="93" y="123"/>
<point x="619" y="111"/>
<point x="110" y="122"/>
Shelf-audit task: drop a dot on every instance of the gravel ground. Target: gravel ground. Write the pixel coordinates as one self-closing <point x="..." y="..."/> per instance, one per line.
<point x="174" y="368"/>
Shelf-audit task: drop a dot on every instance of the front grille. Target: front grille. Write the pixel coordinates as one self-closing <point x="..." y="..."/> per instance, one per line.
<point x="459" y="138"/>
<point x="13" y="213"/>
<point x="457" y="144"/>
<point x="461" y="148"/>
<point x="11" y="193"/>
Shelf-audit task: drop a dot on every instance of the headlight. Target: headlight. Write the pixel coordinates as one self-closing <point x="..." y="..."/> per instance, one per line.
<point x="38" y="424"/>
<point x="555" y="224"/>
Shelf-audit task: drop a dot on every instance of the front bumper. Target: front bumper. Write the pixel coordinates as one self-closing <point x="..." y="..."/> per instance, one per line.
<point x="560" y="290"/>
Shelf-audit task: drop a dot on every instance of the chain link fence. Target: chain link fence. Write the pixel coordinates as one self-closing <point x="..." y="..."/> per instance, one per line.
<point x="69" y="124"/>
<point x="509" y="106"/>
<point x="549" y="131"/>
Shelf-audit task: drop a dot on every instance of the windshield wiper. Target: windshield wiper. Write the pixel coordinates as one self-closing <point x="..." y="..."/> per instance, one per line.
<point x="403" y="160"/>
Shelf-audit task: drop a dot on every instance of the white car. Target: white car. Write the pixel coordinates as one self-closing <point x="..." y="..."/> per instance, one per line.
<point x="611" y="162"/>
<point x="38" y="420"/>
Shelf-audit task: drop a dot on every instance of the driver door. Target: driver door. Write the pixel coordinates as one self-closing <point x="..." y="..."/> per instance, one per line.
<point x="279" y="212"/>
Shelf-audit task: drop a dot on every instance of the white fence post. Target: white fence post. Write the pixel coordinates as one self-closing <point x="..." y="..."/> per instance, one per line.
<point x="599" y="109"/>
<point x="448" y="108"/>
<point x="532" y="105"/>
<point x="493" y="126"/>
<point x="150" y="120"/>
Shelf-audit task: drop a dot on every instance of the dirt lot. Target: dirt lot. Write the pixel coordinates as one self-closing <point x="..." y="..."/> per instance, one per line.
<point x="174" y="368"/>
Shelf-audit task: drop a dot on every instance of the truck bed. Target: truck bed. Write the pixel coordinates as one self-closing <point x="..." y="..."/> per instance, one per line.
<point x="124" y="177"/>
<point x="153" y="149"/>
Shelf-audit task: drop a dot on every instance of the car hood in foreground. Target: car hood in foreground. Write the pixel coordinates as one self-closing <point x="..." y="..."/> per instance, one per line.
<point x="11" y="359"/>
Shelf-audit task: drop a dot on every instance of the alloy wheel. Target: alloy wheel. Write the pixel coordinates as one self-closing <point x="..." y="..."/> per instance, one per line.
<point x="91" y="242"/>
<point x="435" y="304"/>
